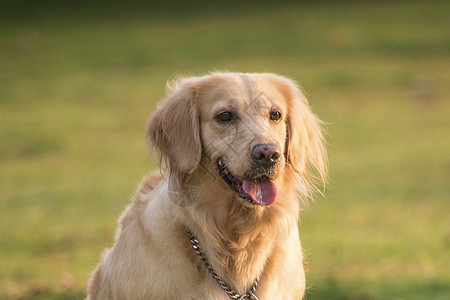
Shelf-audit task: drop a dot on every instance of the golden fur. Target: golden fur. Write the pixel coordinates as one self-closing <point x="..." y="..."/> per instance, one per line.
<point x="152" y="257"/>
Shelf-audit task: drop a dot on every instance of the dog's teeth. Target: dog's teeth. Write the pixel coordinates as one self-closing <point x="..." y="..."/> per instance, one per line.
<point x="220" y="162"/>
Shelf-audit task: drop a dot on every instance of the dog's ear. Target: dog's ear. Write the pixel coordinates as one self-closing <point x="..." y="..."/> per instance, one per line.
<point x="174" y="130"/>
<point x="305" y="144"/>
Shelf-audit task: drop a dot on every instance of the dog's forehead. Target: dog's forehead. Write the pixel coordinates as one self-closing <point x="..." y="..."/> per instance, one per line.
<point x="254" y="93"/>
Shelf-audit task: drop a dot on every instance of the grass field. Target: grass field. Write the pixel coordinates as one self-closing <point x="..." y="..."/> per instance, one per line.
<point x="77" y="86"/>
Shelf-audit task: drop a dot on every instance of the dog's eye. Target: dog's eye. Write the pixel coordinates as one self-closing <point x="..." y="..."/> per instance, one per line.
<point x="225" y="117"/>
<point x="275" y="116"/>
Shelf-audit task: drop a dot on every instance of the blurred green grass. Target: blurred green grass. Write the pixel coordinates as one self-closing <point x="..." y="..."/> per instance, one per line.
<point x="76" y="87"/>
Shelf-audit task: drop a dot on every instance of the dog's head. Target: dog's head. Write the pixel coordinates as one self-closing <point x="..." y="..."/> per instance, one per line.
<point x="251" y="130"/>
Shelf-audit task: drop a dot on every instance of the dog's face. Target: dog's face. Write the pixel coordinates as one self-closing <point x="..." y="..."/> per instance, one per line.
<point x="243" y="135"/>
<point x="250" y="130"/>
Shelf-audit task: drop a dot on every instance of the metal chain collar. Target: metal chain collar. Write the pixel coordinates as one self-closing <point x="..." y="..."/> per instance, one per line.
<point x="232" y="294"/>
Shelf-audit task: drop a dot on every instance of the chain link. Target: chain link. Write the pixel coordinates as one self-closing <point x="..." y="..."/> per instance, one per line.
<point x="250" y="295"/>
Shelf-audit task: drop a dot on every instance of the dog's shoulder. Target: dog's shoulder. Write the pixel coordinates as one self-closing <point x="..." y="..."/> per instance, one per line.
<point x="149" y="183"/>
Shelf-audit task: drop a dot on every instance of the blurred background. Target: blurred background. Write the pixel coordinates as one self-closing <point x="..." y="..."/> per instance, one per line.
<point x="78" y="81"/>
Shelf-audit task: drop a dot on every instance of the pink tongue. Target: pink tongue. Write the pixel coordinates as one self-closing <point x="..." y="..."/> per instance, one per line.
<point x="263" y="193"/>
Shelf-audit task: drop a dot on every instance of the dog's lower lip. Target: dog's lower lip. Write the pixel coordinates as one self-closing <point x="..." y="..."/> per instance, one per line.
<point x="257" y="191"/>
<point x="233" y="182"/>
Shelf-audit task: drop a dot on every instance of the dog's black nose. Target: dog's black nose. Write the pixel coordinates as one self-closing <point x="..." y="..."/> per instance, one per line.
<point x="266" y="155"/>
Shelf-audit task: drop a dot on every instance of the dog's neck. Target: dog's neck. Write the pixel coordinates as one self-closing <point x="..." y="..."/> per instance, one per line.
<point x="238" y="240"/>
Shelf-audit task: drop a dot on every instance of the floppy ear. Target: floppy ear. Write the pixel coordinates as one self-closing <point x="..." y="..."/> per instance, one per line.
<point x="174" y="130"/>
<point x="305" y="144"/>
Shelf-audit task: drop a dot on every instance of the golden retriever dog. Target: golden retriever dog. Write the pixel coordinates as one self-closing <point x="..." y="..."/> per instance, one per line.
<point x="220" y="221"/>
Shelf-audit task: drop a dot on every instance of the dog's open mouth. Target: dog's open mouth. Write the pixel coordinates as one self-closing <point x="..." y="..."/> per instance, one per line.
<point x="258" y="191"/>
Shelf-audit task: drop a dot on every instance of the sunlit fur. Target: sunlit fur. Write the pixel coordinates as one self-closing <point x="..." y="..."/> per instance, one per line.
<point x="152" y="257"/>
